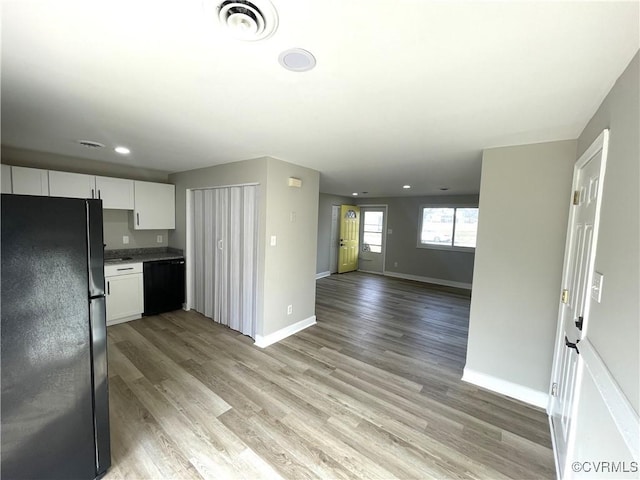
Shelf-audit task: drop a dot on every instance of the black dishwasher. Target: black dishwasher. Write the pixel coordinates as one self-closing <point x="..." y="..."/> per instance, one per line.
<point x="163" y="286"/>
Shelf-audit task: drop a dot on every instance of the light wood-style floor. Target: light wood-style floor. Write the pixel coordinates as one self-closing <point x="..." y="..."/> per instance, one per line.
<point x="372" y="391"/>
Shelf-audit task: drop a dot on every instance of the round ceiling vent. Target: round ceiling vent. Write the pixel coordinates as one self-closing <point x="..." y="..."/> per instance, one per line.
<point x="90" y="144"/>
<point x="248" y="20"/>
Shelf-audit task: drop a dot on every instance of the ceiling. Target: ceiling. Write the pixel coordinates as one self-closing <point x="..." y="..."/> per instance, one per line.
<point x="404" y="92"/>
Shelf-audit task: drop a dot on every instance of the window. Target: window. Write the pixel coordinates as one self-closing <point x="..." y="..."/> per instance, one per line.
<point x="448" y="227"/>
<point x="372" y="231"/>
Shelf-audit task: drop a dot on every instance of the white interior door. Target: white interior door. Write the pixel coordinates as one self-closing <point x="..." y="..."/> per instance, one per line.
<point x="573" y="318"/>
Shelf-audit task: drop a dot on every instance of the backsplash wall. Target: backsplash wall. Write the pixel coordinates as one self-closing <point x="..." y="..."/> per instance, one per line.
<point x="118" y="223"/>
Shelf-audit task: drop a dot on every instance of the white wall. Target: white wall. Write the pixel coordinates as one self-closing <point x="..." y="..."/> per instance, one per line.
<point x="286" y="272"/>
<point x="524" y="205"/>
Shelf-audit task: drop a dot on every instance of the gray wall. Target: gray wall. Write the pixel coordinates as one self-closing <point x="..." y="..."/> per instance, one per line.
<point x="452" y="267"/>
<point x="116" y="222"/>
<point x="524" y="207"/>
<point x="290" y="267"/>
<point x="286" y="272"/>
<point x="325" y="202"/>
<point x="119" y="222"/>
<point x="614" y="326"/>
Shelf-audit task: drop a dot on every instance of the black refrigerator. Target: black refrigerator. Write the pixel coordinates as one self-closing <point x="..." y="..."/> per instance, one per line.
<point x="55" y="399"/>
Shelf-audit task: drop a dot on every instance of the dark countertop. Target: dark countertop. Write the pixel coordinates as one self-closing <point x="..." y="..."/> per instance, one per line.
<point x="119" y="257"/>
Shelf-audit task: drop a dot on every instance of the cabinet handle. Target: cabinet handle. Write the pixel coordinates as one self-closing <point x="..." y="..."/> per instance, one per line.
<point x="137" y="219"/>
<point x="92" y="193"/>
<point x="108" y="288"/>
<point x="99" y="193"/>
<point x="121" y="269"/>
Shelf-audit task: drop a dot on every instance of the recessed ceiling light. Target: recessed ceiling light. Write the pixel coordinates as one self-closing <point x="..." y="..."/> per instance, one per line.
<point x="406" y="186"/>
<point x="355" y="194"/>
<point x="122" y="150"/>
<point x="297" y="60"/>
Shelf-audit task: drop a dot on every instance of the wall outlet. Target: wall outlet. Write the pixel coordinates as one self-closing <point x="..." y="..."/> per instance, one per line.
<point x="292" y="217"/>
<point x="289" y="309"/>
<point x="159" y="238"/>
<point x="273" y="240"/>
<point x="125" y="239"/>
<point x="395" y="264"/>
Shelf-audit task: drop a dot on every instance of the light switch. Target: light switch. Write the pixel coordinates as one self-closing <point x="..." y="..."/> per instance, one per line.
<point x="159" y="238"/>
<point x="596" y="286"/>
<point x="125" y="239"/>
<point x="389" y="231"/>
<point x="273" y="240"/>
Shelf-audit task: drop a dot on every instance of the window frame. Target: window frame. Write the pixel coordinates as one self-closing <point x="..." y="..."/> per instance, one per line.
<point x="450" y="248"/>
<point x="381" y="232"/>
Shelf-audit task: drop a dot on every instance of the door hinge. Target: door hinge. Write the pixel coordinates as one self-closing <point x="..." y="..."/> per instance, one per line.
<point x="576" y="197"/>
<point x="565" y="296"/>
<point x="554" y="389"/>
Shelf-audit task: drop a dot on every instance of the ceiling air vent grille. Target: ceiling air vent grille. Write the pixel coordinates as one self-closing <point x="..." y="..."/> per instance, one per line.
<point x="248" y="20"/>
<point x="90" y="144"/>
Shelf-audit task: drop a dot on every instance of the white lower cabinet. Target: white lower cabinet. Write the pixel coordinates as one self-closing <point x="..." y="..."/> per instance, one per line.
<point x="125" y="292"/>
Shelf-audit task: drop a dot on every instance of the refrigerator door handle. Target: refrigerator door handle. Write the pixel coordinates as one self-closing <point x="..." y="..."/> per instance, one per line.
<point x="97" y="319"/>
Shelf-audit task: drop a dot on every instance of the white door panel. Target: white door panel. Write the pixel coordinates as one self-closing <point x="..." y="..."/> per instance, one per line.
<point x="574" y="309"/>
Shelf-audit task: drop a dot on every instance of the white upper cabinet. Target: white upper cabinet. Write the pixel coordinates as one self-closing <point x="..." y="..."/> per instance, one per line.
<point x="5" y="178"/>
<point x="30" y="181"/>
<point x="155" y="207"/>
<point x="116" y="193"/>
<point x="71" y="185"/>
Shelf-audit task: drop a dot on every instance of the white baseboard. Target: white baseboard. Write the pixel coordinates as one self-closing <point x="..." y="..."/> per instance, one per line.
<point x="322" y="275"/>
<point x="369" y="271"/>
<point x="504" y="387"/>
<point x="123" y="320"/>
<point x="436" y="281"/>
<point x="266" y="340"/>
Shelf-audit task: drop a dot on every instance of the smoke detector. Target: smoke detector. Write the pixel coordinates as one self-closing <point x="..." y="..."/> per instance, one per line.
<point x="248" y="20"/>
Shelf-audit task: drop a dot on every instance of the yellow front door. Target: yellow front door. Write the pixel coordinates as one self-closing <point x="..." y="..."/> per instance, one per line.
<point x="349" y="232"/>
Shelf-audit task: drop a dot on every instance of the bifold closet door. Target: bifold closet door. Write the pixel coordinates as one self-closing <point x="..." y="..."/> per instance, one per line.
<point x="224" y="245"/>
